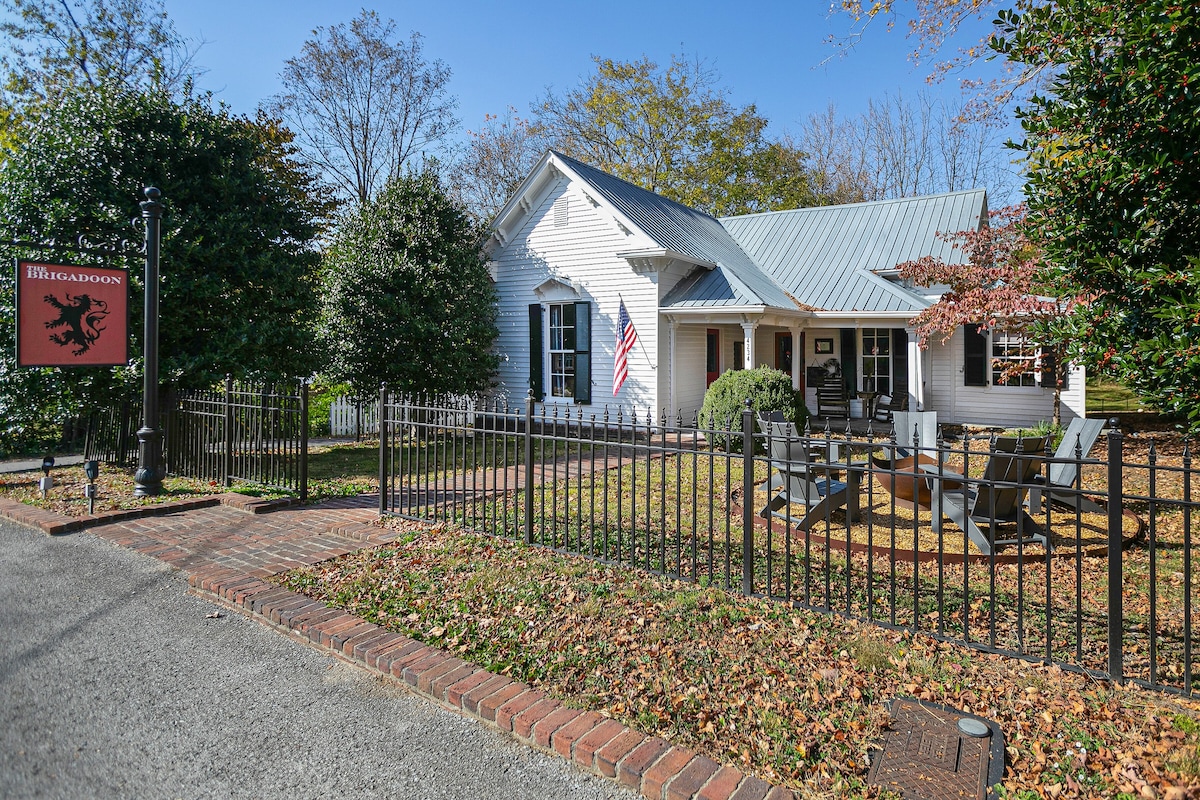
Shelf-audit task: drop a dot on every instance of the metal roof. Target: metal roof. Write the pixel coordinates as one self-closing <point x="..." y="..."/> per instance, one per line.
<point x="826" y="256"/>
<point x="736" y="280"/>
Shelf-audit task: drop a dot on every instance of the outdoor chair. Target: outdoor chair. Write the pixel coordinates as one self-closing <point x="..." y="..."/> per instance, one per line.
<point x="886" y="405"/>
<point x="1060" y="484"/>
<point x="832" y="397"/>
<point x="801" y="477"/>
<point x="994" y="499"/>
<point x="916" y="442"/>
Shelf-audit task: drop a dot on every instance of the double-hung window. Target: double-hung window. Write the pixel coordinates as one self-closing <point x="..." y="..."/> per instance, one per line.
<point x="566" y="354"/>
<point x="877" y="360"/>
<point x="1009" y="351"/>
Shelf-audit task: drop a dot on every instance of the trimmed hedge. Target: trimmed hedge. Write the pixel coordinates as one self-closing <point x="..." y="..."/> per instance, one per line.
<point x="767" y="389"/>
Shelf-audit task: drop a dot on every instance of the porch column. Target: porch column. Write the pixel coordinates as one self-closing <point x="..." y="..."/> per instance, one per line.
<point x="672" y="333"/>
<point x="797" y="356"/>
<point x="916" y="372"/>
<point x="748" y="329"/>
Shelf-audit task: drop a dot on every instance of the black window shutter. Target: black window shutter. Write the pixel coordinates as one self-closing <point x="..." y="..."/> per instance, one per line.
<point x="1050" y="370"/>
<point x="975" y="356"/>
<point x="899" y="361"/>
<point x="536" y="355"/>
<point x="850" y="359"/>
<point x="583" y="352"/>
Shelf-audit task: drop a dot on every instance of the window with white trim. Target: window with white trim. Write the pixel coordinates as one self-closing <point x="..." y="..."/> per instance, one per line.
<point x="562" y="350"/>
<point x="877" y="360"/>
<point x="567" y="358"/>
<point x="1009" y="349"/>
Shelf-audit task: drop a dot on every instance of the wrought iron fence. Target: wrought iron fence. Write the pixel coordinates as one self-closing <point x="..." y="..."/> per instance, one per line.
<point x="256" y="433"/>
<point x="1111" y="595"/>
<point x="112" y="433"/>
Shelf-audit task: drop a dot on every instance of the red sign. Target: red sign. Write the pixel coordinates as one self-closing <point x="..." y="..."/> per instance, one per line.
<point x="71" y="316"/>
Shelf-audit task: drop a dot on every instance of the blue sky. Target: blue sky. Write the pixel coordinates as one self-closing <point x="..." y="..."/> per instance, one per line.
<point x="501" y="54"/>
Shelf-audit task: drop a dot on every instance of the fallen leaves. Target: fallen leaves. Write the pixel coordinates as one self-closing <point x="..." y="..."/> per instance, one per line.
<point x="794" y="697"/>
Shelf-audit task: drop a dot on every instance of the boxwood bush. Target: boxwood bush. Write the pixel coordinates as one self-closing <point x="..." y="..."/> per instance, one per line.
<point x="767" y="389"/>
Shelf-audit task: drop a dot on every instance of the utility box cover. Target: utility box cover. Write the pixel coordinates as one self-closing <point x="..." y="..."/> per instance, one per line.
<point x="928" y="755"/>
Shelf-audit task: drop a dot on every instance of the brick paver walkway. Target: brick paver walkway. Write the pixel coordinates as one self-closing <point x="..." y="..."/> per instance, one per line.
<point x="227" y="550"/>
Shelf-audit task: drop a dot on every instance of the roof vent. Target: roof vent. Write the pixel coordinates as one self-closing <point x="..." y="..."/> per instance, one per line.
<point x="560" y="212"/>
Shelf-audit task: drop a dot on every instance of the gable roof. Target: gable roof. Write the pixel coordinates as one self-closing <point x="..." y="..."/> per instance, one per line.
<point x="693" y="234"/>
<point x="824" y="258"/>
<point x="828" y="256"/>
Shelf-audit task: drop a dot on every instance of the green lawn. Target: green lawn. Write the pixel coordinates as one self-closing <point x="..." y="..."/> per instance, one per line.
<point x="1104" y="395"/>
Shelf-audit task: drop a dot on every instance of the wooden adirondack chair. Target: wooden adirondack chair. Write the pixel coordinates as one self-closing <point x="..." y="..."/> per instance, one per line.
<point x="832" y="400"/>
<point x="1060" y="484"/>
<point x="994" y="499"/>
<point x="800" y="478"/>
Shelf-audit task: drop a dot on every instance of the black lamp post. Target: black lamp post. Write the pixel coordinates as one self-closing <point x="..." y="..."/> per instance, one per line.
<point x="148" y="478"/>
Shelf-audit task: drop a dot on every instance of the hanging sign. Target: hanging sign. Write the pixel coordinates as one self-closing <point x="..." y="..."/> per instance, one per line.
<point x="71" y="316"/>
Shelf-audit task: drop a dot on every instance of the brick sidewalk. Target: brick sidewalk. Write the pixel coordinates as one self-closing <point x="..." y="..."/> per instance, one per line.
<point x="227" y="546"/>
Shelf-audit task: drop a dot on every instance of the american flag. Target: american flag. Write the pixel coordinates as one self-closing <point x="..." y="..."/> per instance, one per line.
<point x="626" y="339"/>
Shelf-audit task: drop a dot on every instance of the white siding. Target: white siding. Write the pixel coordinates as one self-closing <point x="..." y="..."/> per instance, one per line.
<point x="582" y="252"/>
<point x="1008" y="406"/>
<point x="691" y="344"/>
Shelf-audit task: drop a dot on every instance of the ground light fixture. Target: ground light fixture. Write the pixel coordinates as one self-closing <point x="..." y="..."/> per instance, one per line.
<point x="92" y="470"/>
<point x="46" y="481"/>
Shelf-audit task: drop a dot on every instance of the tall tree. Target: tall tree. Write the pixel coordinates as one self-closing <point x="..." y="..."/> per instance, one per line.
<point x="239" y="266"/>
<point x="1113" y="151"/>
<point x="904" y="148"/>
<point x="409" y="301"/>
<point x="935" y="24"/>
<point x="55" y="45"/>
<point x="1005" y="285"/>
<point x="673" y="130"/>
<point x="487" y="170"/>
<point x="365" y="104"/>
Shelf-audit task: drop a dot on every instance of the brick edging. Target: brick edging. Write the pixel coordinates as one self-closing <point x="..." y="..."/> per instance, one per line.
<point x="53" y="523"/>
<point x="593" y="742"/>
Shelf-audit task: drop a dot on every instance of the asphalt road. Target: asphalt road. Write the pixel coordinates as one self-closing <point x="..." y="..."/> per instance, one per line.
<point x="115" y="683"/>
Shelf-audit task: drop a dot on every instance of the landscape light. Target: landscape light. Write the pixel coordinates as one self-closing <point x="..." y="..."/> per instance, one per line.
<point x="92" y="470"/>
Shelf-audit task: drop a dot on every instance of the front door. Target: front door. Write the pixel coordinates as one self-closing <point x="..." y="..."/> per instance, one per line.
<point x="712" y="355"/>
<point x="783" y="353"/>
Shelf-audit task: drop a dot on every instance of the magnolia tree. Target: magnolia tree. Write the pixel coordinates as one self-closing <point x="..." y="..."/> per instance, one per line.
<point x="1004" y="285"/>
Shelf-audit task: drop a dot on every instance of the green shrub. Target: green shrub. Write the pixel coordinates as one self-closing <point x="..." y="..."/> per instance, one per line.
<point x="767" y="389"/>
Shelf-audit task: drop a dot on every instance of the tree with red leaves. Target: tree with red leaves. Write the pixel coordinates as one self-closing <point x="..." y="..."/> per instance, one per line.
<point x="1004" y="284"/>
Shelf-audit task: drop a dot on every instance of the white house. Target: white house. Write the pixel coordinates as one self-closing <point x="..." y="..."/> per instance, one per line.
<point x="788" y="289"/>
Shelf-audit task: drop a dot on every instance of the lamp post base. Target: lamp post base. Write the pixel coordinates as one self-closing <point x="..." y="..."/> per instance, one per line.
<point x="147" y="481"/>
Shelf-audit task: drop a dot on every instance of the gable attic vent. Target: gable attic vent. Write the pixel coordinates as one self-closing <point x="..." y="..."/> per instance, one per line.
<point x="560" y="212"/>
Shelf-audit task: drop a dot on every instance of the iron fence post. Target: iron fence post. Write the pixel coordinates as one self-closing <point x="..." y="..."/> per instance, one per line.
<point x="747" y="499"/>
<point x="1116" y="495"/>
<point x="227" y="467"/>
<point x="303" y="440"/>
<point x="529" y="467"/>
<point x="383" y="440"/>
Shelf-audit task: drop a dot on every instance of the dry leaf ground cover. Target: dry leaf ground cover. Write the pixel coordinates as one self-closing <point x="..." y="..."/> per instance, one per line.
<point x="334" y="471"/>
<point x="794" y="696"/>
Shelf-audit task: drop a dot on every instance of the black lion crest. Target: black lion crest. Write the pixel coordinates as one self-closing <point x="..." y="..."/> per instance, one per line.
<point x="82" y="316"/>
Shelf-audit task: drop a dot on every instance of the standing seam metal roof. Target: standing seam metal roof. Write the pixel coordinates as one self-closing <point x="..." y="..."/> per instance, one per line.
<point x="737" y="280"/>
<point x="822" y="257"/>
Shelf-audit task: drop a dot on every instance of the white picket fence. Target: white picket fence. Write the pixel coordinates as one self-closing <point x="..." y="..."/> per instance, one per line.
<point x="346" y="417"/>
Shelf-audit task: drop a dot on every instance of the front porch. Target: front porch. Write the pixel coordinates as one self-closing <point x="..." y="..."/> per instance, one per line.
<point x="865" y="359"/>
